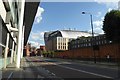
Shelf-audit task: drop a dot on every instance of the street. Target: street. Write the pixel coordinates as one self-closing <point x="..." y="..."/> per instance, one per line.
<point x="60" y="69"/>
<point x="69" y="69"/>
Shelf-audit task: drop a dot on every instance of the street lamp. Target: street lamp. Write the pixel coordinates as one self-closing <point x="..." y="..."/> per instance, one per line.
<point x="90" y="21"/>
<point x="92" y="33"/>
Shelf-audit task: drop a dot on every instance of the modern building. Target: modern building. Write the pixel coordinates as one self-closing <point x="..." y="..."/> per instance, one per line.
<point x="46" y="35"/>
<point x="16" y="19"/>
<point x="58" y="40"/>
<point x="119" y="5"/>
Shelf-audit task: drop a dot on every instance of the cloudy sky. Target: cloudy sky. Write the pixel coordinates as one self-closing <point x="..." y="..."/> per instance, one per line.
<point x="64" y="15"/>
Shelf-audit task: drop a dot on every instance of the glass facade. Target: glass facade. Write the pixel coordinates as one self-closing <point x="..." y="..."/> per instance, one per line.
<point x="119" y="5"/>
<point x="54" y="35"/>
<point x="13" y="11"/>
<point x="0" y="37"/>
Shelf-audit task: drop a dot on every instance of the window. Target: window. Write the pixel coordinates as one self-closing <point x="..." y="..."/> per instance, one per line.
<point x="65" y="47"/>
<point x="89" y="44"/>
<point x="58" y="47"/>
<point x="105" y="41"/>
<point x="99" y="42"/>
<point x="58" y="43"/>
<point x="61" y="47"/>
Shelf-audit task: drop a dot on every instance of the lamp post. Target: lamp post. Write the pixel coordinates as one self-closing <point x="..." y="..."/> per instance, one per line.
<point x="92" y="33"/>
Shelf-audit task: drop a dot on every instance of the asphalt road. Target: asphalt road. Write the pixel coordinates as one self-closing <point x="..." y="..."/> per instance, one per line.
<point x="68" y="69"/>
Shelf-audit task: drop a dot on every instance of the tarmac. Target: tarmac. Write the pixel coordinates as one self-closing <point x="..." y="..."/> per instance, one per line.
<point x="28" y="70"/>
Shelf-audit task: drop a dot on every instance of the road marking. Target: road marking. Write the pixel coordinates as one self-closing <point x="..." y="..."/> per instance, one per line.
<point x="99" y="66"/>
<point x="84" y="71"/>
<point x="10" y="75"/>
<point x="82" y="63"/>
<point x="39" y="76"/>
<point x="79" y="70"/>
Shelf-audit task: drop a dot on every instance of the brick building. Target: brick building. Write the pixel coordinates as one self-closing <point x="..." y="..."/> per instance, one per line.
<point x="89" y="42"/>
<point x="82" y="49"/>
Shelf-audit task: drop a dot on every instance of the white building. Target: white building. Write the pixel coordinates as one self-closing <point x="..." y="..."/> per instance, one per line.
<point x="58" y="40"/>
<point x="16" y="19"/>
<point x="119" y="5"/>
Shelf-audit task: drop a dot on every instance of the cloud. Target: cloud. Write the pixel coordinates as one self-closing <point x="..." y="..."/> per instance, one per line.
<point x="38" y="16"/>
<point x="99" y="14"/>
<point x="97" y="23"/>
<point x="98" y="26"/>
<point x="34" y="43"/>
<point x="110" y="4"/>
<point x="104" y="1"/>
<point x="102" y="18"/>
<point x="42" y="33"/>
<point x="109" y="9"/>
<point x="37" y="36"/>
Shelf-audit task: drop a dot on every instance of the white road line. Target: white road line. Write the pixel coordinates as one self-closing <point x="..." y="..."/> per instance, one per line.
<point x="39" y="76"/>
<point x="10" y="75"/>
<point x="84" y="71"/>
<point x="99" y="66"/>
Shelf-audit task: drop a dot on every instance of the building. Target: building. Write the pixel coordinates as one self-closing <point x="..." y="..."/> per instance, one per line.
<point x="119" y="5"/>
<point x="57" y="44"/>
<point x="58" y="40"/>
<point x="16" y="19"/>
<point x="27" y="50"/>
<point x="46" y="35"/>
<point x="42" y="48"/>
<point x="88" y="48"/>
<point x="88" y="42"/>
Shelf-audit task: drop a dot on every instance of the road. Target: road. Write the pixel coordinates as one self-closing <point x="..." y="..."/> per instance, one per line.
<point x="67" y="69"/>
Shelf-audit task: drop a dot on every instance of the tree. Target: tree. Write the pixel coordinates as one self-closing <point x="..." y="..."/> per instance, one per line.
<point x="111" y="25"/>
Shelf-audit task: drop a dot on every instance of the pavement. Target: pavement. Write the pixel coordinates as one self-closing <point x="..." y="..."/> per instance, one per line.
<point x="27" y="71"/>
<point x="19" y="73"/>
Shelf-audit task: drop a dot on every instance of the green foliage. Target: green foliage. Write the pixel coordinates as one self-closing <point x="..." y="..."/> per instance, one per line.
<point x="49" y="53"/>
<point x="111" y="25"/>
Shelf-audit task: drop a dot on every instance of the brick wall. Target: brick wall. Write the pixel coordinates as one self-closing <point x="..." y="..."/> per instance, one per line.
<point x="88" y="53"/>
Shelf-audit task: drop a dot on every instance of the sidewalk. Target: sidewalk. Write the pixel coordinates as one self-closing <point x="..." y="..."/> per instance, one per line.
<point x="14" y="73"/>
<point x="27" y="70"/>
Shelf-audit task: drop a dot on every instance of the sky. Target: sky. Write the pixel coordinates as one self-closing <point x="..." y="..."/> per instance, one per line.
<point x="53" y="16"/>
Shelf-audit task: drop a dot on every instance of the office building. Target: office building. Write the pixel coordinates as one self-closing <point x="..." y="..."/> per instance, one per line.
<point x="16" y="19"/>
<point x="58" y="40"/>
<point x="119" y="5"/>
